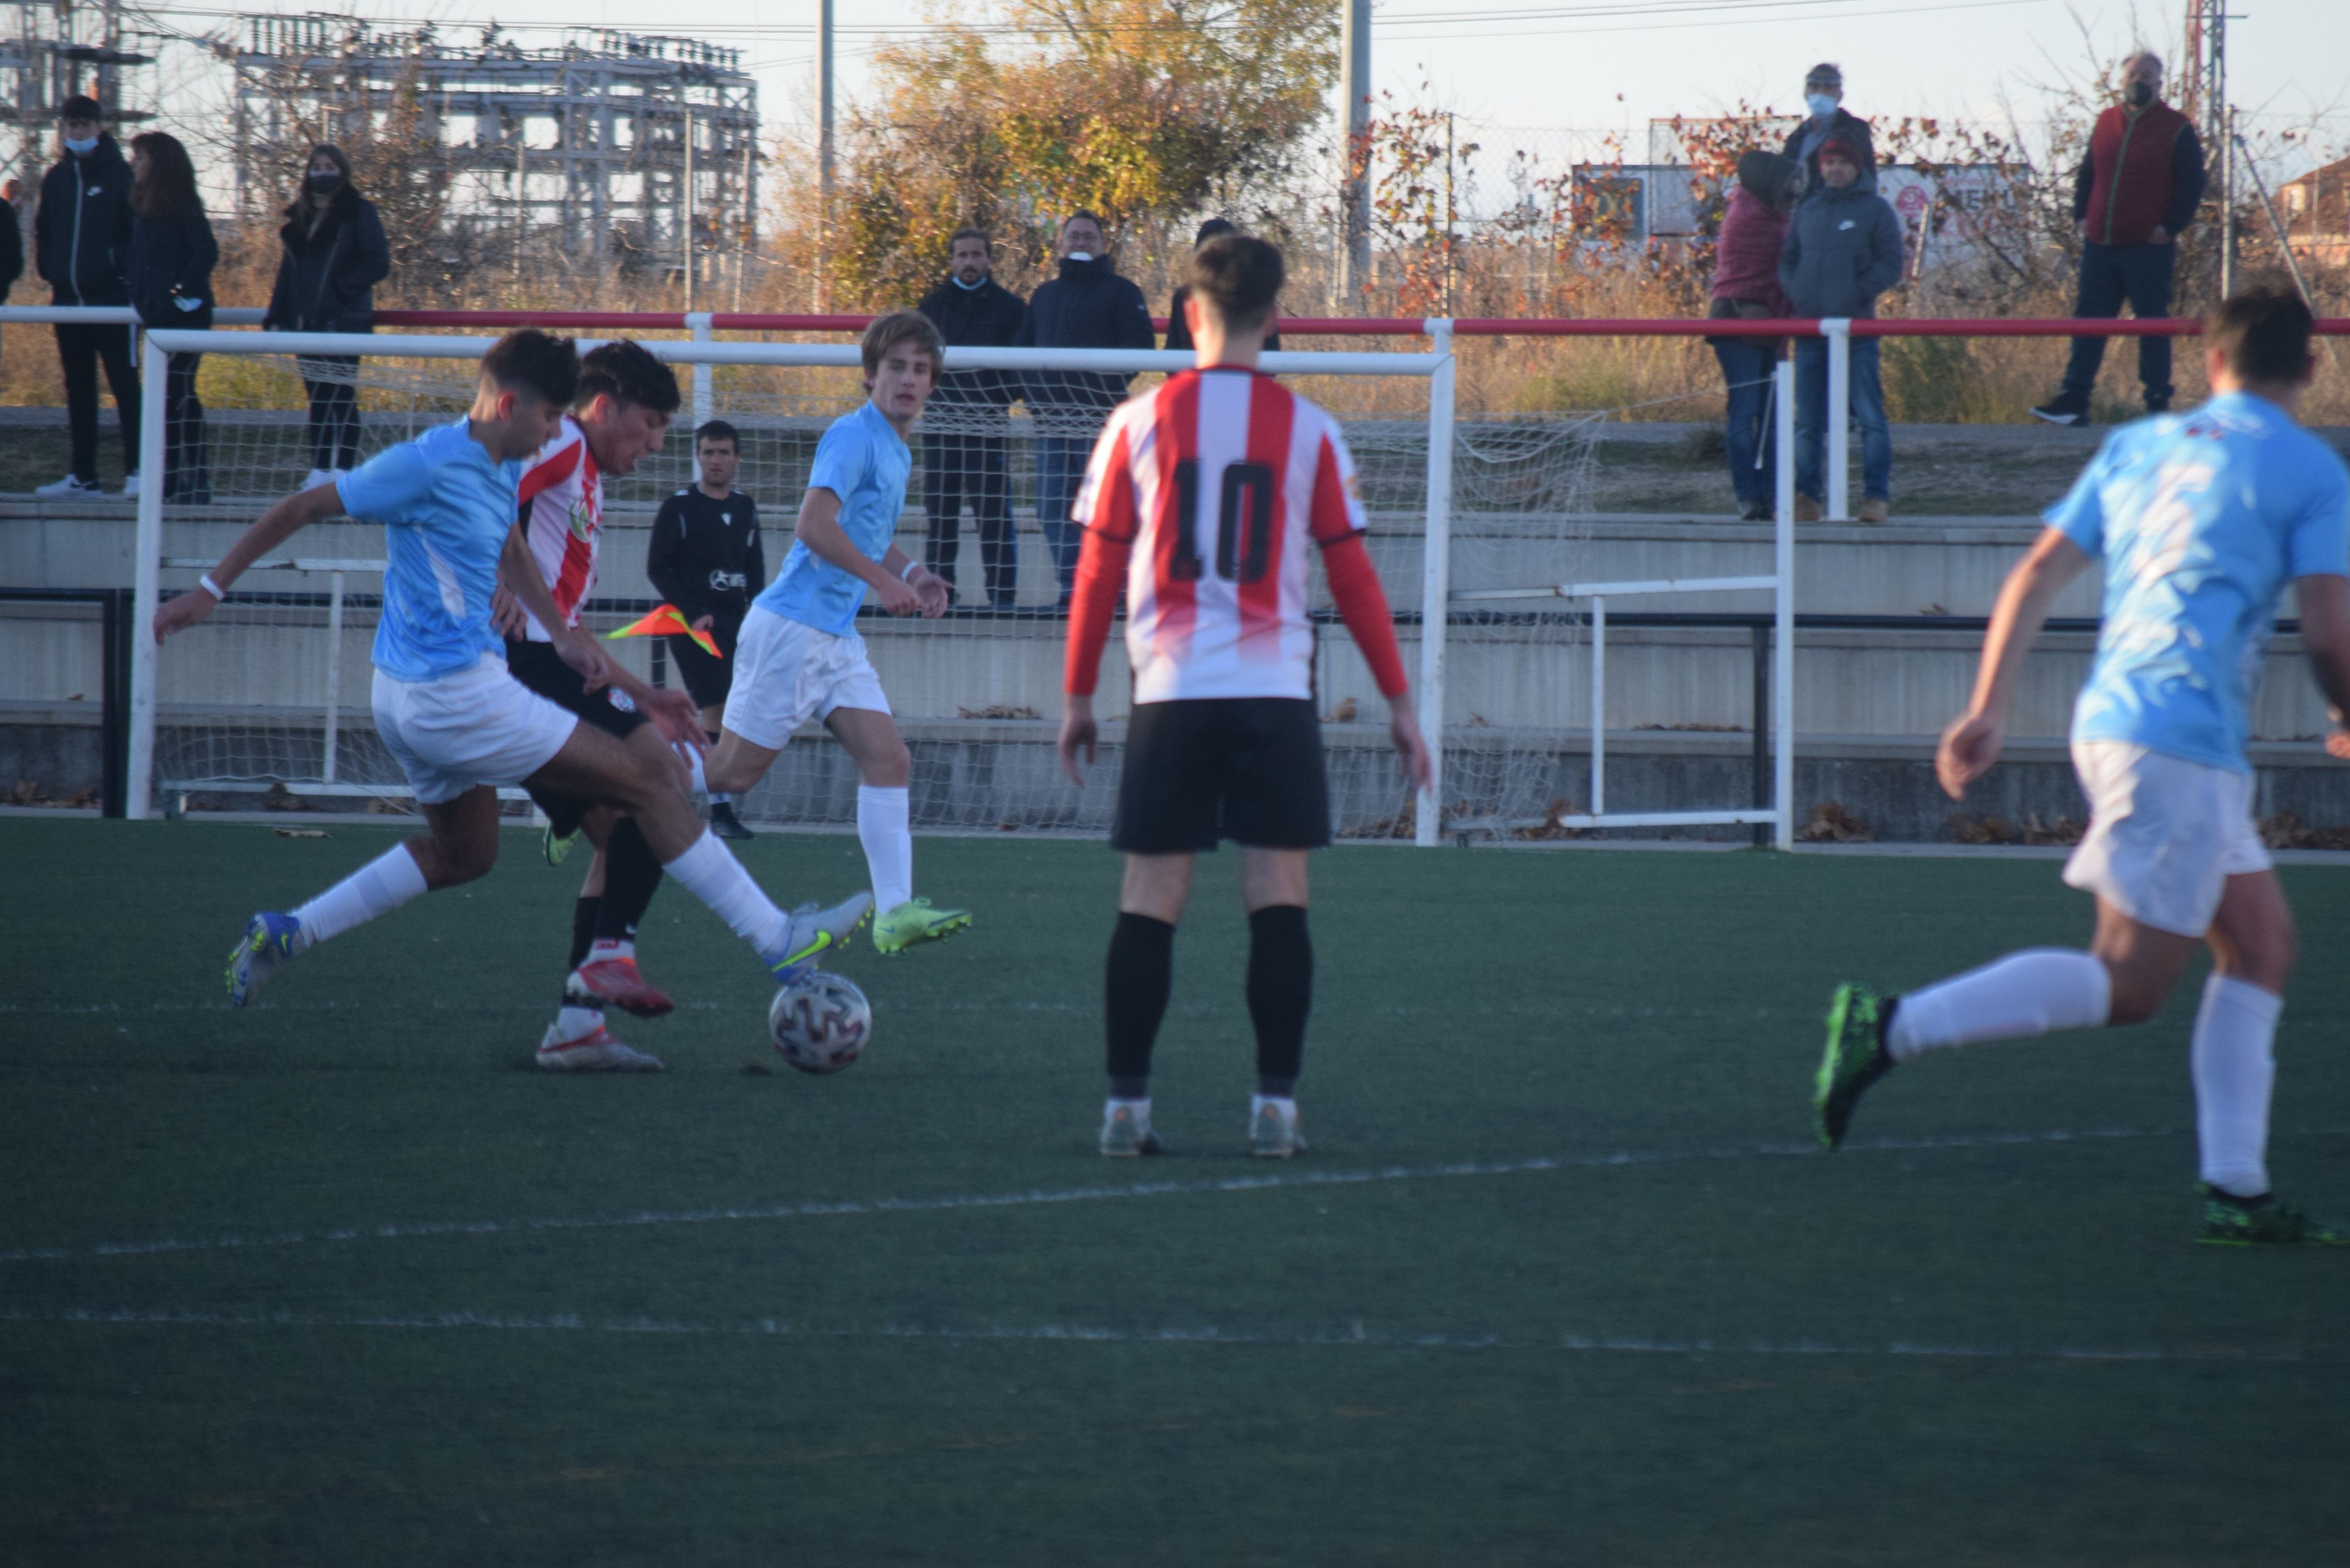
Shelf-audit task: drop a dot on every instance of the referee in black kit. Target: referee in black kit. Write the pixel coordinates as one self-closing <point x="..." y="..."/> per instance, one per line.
<point x="706" y="560"/>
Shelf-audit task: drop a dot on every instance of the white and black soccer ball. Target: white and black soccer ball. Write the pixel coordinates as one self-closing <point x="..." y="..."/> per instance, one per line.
<point x="820" y="1022"/>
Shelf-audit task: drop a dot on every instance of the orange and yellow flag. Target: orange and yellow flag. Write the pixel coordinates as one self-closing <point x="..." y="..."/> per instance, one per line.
<point x="667" y="622"/>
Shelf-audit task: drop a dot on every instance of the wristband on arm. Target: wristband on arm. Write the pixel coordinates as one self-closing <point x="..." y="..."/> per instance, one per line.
<point x="219" y="594"/>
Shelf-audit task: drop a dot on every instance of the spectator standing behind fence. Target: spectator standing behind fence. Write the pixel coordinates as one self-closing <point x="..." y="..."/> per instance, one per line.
<point x="1179" y="331"/>
<point x="1825" y="119"/>
<point x="335" y="254"/>
<point x="1088" y="306"/>
<point x="1843" y="250"/>
<point x="12" y="239"/>
<point x="81" y="243"/>
<point x="1746" y="288"/>
<point x="173" y="254"/>
<point x="706" y="560"/>
<point x="966" y="433"/>
<point x="2133" y="196"/>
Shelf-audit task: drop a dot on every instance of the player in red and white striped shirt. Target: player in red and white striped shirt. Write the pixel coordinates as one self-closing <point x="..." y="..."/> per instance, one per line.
<point x="1199" y="507"/>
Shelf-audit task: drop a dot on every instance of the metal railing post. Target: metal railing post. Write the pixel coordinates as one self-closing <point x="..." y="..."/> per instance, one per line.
<point x="146" y="582"/>
<point x="114" y="662"/>
<point x="699" y="322"/>
<point x="1598" y="705"/>
<point x="1436" y="580"/>
<point x="1783" y="696"/>
<point x="1837" y="332"/>
<point x="334" y="671"/>
<point x="1759" y="773"/>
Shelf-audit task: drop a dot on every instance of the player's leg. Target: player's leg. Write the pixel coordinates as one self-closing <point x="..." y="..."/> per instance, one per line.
<point x="598" y="974"/>
<point x="592" y="762"/>
<point x="884" y="808"/>
<point x="1137" y="978"/>
<point x="998" y="544"/>
<point x="765" y="701"/>
<point x="1276" y="803"/>
<point x="706" y="679"/>
<point x="459" y="845"/>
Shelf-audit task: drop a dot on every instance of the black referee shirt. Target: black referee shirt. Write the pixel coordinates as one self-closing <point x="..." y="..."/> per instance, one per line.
<point x="705" y="556"/>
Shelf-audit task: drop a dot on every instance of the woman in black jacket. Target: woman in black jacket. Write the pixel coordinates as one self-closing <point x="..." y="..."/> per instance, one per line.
<point x="173" y="254"/>
<point x="335" y="254"/>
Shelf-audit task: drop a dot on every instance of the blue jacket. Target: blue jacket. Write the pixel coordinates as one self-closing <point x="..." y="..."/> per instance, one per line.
<point x="1843" y="250"/>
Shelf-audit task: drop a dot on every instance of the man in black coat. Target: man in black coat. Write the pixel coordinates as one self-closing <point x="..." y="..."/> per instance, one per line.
<point x="1825" y="119"/>
<point x="12" y="241"/>
<point x="1088" y="306"/>
<point x="966" y="442"/>
<point x="81" y="243"/>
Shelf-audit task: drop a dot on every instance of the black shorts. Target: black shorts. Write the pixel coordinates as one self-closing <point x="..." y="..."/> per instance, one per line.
<point x="1203" y="769"/>
<point x="538" y="666"/>
<point x="706" y="679"/>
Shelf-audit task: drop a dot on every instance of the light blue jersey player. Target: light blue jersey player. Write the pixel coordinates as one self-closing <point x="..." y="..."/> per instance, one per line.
<point x="2201" y="520"/>
<point x="798" y="657"/>
<point x="461" y="727"/>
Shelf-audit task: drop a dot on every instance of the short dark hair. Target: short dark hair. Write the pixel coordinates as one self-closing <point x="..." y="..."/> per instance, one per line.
<point x="719" y="429"/>
<point x="1239" y="278"/>
<point x="971" y="232"/>
<point x="1087" y="214"/>
<point x="1211" y="228"/>
<point x="902" y="326"/>
<point x="1827" y="72"/>
<point x="628" y="373"/>
<point x="81" y="106"/>
<point x="2263" y="328"/>
<point x="529" y="360"/>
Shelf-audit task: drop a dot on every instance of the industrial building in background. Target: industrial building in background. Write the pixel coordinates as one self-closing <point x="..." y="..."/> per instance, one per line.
<point x="51" y="50"/>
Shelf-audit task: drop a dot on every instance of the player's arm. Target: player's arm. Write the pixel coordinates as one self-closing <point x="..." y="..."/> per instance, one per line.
<point x="1971" y="743"/>
<point x="2324" y="603"/>
<point x="819" y="529"/>
<point x="286" y="518"/>
<point x="929" y="588"/>
<point x="1107" y="509"/>
<point x="1338" y="524"/>
<point x="518" y="575"/>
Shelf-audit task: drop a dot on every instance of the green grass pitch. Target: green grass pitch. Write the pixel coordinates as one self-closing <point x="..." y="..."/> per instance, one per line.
<point x="343" y="1279"/>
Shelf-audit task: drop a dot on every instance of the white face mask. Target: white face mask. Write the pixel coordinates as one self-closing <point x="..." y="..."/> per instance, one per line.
<point x="82" y="148"/>
<point x="1081" y="256"/>
<point x="1820" y="104"/>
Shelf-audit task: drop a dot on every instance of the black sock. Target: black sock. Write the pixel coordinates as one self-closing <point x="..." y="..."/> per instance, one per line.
<point x="1140" y="970"/>
<point x="631" y="872"/>
<point x="1280" y="993"/>
<point x="583" y="929"/>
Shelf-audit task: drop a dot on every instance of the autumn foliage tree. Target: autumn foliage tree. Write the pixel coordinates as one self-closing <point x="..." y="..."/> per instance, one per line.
<point x="1151" y="112"/>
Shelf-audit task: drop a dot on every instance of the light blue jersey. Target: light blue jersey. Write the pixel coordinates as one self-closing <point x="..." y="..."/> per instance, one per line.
<point x="863" y="461"/>
<point x="446" y="506"/>
<point x="2200" y="520"/>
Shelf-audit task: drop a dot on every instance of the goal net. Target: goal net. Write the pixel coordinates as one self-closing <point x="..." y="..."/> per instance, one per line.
<point x="268" y="700"/>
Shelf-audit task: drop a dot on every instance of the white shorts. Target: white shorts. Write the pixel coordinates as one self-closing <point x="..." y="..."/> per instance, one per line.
<point x="2165" y="834"/>
<point x="479" y="726"/>
<point x="787" y="672"/>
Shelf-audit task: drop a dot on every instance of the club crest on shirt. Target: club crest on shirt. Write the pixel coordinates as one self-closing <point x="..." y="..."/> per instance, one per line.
<point x="582" y="522"/>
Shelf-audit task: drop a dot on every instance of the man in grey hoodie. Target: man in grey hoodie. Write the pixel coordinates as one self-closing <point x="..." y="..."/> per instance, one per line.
<point x="1843" y="250"/>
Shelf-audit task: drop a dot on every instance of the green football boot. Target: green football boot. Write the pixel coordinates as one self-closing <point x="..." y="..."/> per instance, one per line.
<point x="2262" y="1221"/>
<point x="914" y="922"/>
<point x="1126" y="1134"/>
<point x="1856" y="1057"/>
<point x="555" y="845"/>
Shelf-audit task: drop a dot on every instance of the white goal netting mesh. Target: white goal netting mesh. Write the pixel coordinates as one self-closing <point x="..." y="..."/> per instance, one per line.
<point x="269" y="698"/>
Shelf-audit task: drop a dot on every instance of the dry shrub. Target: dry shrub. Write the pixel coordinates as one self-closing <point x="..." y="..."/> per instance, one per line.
<point x="2286" y="831"/>
<point x="1830" y="822"/>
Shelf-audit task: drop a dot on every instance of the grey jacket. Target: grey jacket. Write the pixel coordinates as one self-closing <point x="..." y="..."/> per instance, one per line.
<point x="1843" y="250"/>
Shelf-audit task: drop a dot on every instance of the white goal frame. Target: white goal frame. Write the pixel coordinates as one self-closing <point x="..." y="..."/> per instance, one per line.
<point x="1437" y="365"/>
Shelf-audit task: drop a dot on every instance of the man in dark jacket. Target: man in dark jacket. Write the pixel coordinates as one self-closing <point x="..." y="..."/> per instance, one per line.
<point x="966" y="439"/>
<point x="81" y="243"/>
<point x="11" y="240"/>
<point x="2132" y="196"/>
<point x="1088" y="306"/>
<point x="1825" y="119"/>
<point x="1842" y="251"/>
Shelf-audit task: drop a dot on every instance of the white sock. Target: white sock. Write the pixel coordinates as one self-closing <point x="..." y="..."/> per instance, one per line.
<point x="718" y="879"/>
<point x="577" y="1022"/>
<point x="693" y="765"/>
<point x="882" y="817"/>
<point x="1141" y="1108"/>
<point x="604" y="948"/>
<point x="377" y="888"/>
<point x="2036" y="991"/>
<point x="1285" y="1103"/>
<point x="2235" y="1069"/>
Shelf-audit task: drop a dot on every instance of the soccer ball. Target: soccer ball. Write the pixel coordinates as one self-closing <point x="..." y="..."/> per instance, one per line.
<point x="821" y="1022"/>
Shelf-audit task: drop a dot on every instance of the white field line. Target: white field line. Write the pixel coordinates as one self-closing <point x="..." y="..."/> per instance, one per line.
<point x="1353" y="1335"/>
<point x="1090" y="1194"/>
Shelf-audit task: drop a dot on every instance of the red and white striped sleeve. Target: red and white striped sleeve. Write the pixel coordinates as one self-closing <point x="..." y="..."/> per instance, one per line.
<point x="1338" y="524"/>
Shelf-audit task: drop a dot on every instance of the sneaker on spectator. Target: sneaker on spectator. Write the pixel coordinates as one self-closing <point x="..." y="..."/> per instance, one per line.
<point x="71" y="486"/>
<point x="2064" y="408"/>
<point x="317" y="477"/>
<point x="1807" y="510"/>
<point x="1875" y="509"/>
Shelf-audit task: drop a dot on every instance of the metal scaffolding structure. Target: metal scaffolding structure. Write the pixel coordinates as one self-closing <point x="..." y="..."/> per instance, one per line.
<point x="607" y="146"/>
<point x="52" y="49"/>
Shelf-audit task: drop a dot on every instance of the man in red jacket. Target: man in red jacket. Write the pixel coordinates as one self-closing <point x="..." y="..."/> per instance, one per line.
<point x="2136" y="189"/>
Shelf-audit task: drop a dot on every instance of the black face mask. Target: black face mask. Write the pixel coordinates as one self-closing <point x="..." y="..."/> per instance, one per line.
<point x="2140" y="95"/>
<point x="324" y="183"/>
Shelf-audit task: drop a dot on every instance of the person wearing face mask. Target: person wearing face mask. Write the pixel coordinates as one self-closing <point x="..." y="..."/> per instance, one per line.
<point x="1825" y="119"/>
<point x="81" y="243"/>
<point x="334" y="255"/>
<point x="2132" y="196"/>
<point x="966" y="440"/>
<point x="1088" y="306"/>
